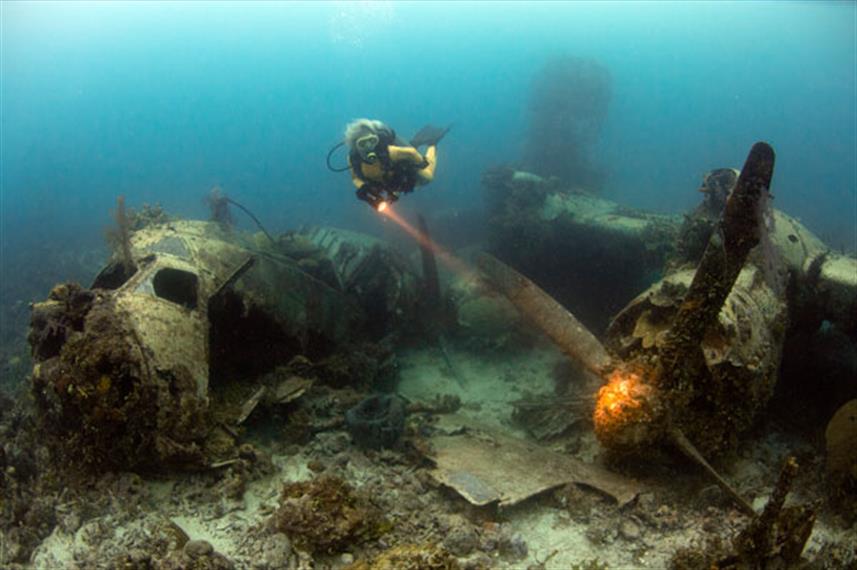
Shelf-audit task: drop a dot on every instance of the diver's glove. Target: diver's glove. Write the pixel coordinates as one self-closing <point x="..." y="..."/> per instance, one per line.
<point x="372" y="194"/>
<point x="429" y="136"/>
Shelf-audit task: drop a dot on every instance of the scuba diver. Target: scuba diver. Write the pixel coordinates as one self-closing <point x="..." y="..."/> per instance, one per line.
<point x="383" y="167"/>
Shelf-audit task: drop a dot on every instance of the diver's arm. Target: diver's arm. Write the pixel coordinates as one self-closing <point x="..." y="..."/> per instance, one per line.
<point x="425" y="163"/>
<point x="405" y="154"/>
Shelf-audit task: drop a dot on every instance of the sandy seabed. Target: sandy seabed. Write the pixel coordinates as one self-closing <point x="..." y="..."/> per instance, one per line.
<point x="559" y="528"/>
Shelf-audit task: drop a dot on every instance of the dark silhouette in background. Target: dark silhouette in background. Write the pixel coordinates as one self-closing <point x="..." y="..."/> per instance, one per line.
<point x="568" y="105"/>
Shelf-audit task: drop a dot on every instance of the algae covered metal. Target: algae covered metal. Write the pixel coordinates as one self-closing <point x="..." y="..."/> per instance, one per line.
<point x="123" y="370"/>
<point x="490" y="466"/>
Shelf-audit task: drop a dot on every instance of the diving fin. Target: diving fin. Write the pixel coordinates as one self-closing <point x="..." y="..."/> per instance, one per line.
<point x="429" y="135"/>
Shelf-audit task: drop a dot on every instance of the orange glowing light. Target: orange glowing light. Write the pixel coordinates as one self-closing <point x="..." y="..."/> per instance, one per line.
<point x="382" y="206"/>
<point x="623" y="400"/>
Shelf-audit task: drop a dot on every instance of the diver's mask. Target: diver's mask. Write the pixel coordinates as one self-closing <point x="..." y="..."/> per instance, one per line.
<point x="366" y="146"/>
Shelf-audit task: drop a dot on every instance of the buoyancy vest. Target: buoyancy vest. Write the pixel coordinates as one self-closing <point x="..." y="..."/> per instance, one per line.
<point x="395" y="176"/>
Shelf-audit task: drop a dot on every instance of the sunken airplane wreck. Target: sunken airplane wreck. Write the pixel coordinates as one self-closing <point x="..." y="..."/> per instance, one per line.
<point x="147" y="368"/>
<point x="125" y="371"/>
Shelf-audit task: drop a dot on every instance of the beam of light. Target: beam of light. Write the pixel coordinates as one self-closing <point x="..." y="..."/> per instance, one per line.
<point x="450" y="261"/>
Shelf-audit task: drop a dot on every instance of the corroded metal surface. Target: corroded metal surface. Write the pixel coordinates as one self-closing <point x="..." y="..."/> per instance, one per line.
<point x="558" y="323"/>
<point x="486" y="465"/>
<point x="122" y="370"/>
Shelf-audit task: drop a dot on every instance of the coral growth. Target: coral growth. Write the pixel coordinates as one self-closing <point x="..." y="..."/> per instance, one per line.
<point x="30" y="486"/>
<point x="195" y="555"/>
<point x="158" y="543"/>
<point x="148" y="215"/>
<point x="592" y="564"/>
<point x="411" y="557"/>
<point x="218" y="204"/>
<point x="101" y="403"/>
<point x="119" y="238"/>
<point x="326" y="515"/>
<point x="773" y="539"/>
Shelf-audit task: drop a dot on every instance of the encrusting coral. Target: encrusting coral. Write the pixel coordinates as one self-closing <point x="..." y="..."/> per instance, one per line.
<point x="98" y="400"/>
<point x="410" y="557"/>
<point x="326" y="515"/>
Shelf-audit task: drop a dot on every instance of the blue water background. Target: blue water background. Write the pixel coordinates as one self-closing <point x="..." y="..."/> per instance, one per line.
<point x="158" y="102"/>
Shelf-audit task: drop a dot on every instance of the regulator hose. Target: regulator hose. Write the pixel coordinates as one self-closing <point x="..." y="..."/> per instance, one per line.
<point x="330" y="153"/>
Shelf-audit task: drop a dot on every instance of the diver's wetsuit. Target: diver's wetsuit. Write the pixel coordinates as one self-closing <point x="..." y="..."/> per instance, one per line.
<point x="398" y="168"/>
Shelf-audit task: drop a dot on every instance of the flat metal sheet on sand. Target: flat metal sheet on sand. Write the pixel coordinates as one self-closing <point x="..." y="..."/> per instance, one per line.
<point x="485" y="466"/>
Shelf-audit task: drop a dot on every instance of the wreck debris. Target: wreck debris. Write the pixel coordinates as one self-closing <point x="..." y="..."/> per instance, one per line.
<point x="708" y="365"/>
<point x="546" y="417"/>
<point x="366" y="365"/>
<point x="841" y="437"/>
<point x="717" y="185"/>
<point x="740" y="353"/>
<point x="558" y="323"/>
<point x="590" y="254"/>
<point x="431" y="284"/>
<point x="377" y="421"/>
<point x="123" y="371"/>
<point x="775" y="538"/>
<point x="685" y="446"/>
<point x="741" y="230"/>
<point x="376" y="277"/>
<point x="291" y="389"/>
<point x="250" y="405"/>
<point x="434" y="308"/>
<point x="651" y="392"/>
<point x="568" y="242"/>
<point x="778" y="534"/>
<point x="678" y="388"/>
<point x="487" y="466"/>
<point x="230" y="280"/>
<point x="97" y="390"/>
<point x="280" y="386"/>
